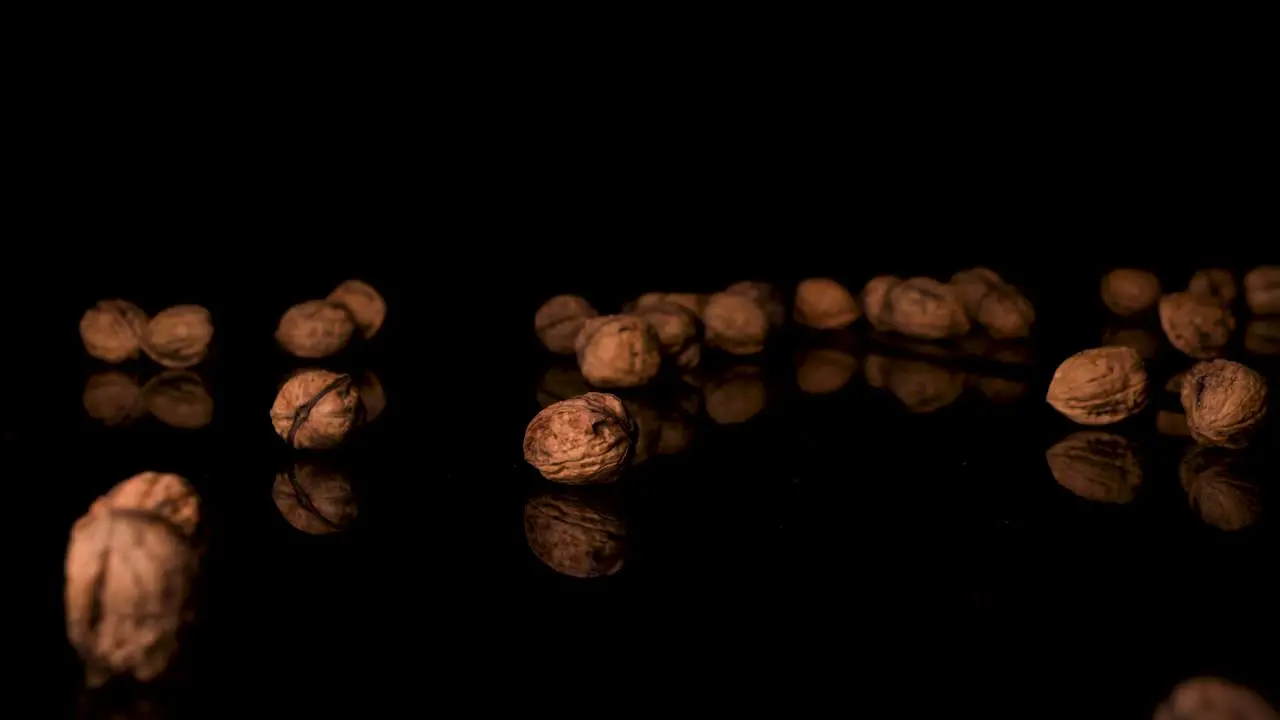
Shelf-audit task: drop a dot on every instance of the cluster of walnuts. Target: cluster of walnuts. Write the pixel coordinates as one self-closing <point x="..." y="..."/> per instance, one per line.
<point x="320" y="328"/>
<point x="117" y="330"/>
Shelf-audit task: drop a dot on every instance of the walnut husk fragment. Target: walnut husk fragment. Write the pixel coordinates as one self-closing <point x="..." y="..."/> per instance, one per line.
<point x="1218" y="486"/>
<point x="1214" y="285"/>
<point x="970" y="286"/>
<point x="1099" y="386"/>
<point x="178" y="398"/>
<point x="824" y="304"/>
<point x="1198" y="328"/>
<point x="875" y="295"/>
<point x="735" y="323"/>
<point x="824" y="370"/>
<point x="179" y="336"/>
<point x="736" y="395"/>
<point x="766" y="296"/>
<point x="1262" y="336"/>
<point x="575" y="535"/>
<point x="1006" y="313"/>
<point x="315" y="329"/>
<point x="559" y="321"/>
<point x="585" y="440"/>
<point x="315" y="498"/>
<point x="618" y="351"/>
<point x="924" y="308"/>
<point x="113" y="398"/>
<point x="315" y="409"/>
<point x="922" y="387"/>
<point x="1262" y="290"/>
<point x="1128" y="291"/>
<point x="1097" y="466"/>
<point x="1211" y="698"/>
<point x="365" y="304"/>
<point x="679" y="332"/>
<point x="1225" y="403"/>
<point x="112" y="330"/>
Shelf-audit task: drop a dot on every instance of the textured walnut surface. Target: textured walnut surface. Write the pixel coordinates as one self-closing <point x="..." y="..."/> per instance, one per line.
<point x="112" y="330"/>
<point x="616" y="351"/>
<point x="924" y="308"/>
<point x="970" y="286"/>
<point x="1214" y="285"/>
<point x="1096" y="466"/>
<point x="1262" y="336"/>
<point x="824" y="370"/>
<point x="1225" y="402"/>
<point x="559" y="320"/>
<point x="1006" y="313"/>
<point x="1128" y="291"/>
<point x="735" y="323"/>
<point x="1219" y="488"/>
<point x="315" y="329"/>
<point x="1210" y="698"/>
<point x="575" y="536"/>
<point x="112" y="397"/>
<point x="365" y="304"/>
<point x="179" y="336"/>
<point x="167" y="495"/>
<point x="825" y="304"/>
<point x="1198" y="328"/>
<point x="583" y="440"/>
<point x="874" y="297"/>
<point x="1099" y="386"/>
<point x="679" y="332"/>
<point x="1262" y="290"/>
<point x="315" y="409"/>
<point x="922" y="387"/>
<point x="766" y="296"/>
<point x="315" y="498"/>
<point x="179" y="398"/>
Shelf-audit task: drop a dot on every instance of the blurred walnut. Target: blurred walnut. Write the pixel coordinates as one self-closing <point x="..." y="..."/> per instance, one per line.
<point x="1006" y="313"/>
<point x="575" y="535"/>
<point x="875" y="296"/>
<point x="1262" y="290"/>
<point x="1129" y="292"/>
<point x="372" y="396"/>
<point x="648" y="424"/>
<point x="583" y="440"/>
<point x="825" y="304"/>
<point x="315" y="409"/>
<point x="166" y="495"/>
<point x="646" y="300"/>
<point x="984" y="346"/>
<point x="1099" y="386"/>
<point x="679" y="332"/>
<point x="1198" y="328"/>
<point x="735" y="323"/>
<point x="1145" y="342"/>
<point x="1001" y="391"/>
<point x="315" y="498"/>
<point x="970" y="286"/>
<point x="618" y="351"/>
<point x="178" y="337"/>
<point x="315" y="329"/>
<point x="1215" y="285"/>
<point x="1173" y="424"/>
<point x="366" y="306"/>
<point x="559" y="321"/>
<point x="920" y="386"/>
<point x="766" y="296"/>
<point x="694" y="302"/>
<point x="924" y="308"/>
<point x="113" y="398"/>
<point x="1262" y="336"/>
<point x="1218" y="486"/>
<point x="561" y="382"/>
<point x="1210" y="698"/>
<point x="178" y="398"/>
<point x="736" y="395"/>
<point x="824" y="370"/>
<point x="1096" y="466"/>
<point x="112" y="330"/>
<point x="1225" y="403"/>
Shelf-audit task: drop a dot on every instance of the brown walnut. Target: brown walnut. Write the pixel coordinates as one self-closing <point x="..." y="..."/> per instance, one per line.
<point x="1096" y="466"/>
<point x="735" y="323"/>
<point x="559" y="321"/>
<point x="112" y="330"/>
<point x="178" y="337"/>
<point x="315" y="409"/>
<point x="1128" y="292"/>
<point x="875" y="295"/>
<point x="1219" y="487"/>
<point x="1262" y="336"/>
<point x="824" y="370"/>
<point x="736" y="395"/>
<point x="113" y="398"/>
<point x="766" y="296"/>
<point x="1145" y="342"/>
<point x="366" y="306"/>
<point x="584" y="440"/>
<point x="178" y="398"/>
<point x="1262" y="290"/>
<point x="920" y="386"/>
<point x="167" y="495"/>
<point x="315" y="498"/>
<point x="697" y="302"/>
<point x="1225" y="403"/>
<point x="1174" y="384"/>
<point x="825" y="304"/>
<point x="1198" y="328"/>
<point x="679" y="332"/>
<point x="970" y="286"/>
<point x="1210" y="698"/>
<point x="1099" y="386"/>
<point x="924" y="308"/>
<point x="616" y="351"/>
<point x="1006" y="313"/>
<point x="575" y="535"/>
<point x="315" y="329"/>
<point x="1214" y="285"/>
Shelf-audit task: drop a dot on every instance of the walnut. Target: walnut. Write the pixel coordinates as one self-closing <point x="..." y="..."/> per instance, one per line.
<point x="1006" y="313"/>
<point x="1129" y="292"/>
<point x="697" y="302"/>
<point x="113" y="398"/>
<point x="1173" y="424"/>
<point x="315" y="409"/>
<point x="679" y="332"/>
<point x="1262" y="336"/>
<point x="970" y="286"/>
<point x="1217" y="485"/>
<point x="178" y="398"/>
<point x="1198" y="328"/>
<point x="1262" y="290"/>
<point x="315" y="498"/>
<point x="112" y="330"/>
<point x="1210" y="698"/>
<point x="618" y="351"/>
<point x="825" y="304"/>
<point x="165" y="494"/>
<point x="315" y="329"/>
<point x="766" y="296"/>
<point x="1225" y="403"/>
<point x="367" y="308"/>
<point x="924" y="308"/>
<point x="824" y="370"/>
<point x="559" y="321"/>
<point x="1214" y="285"/>
<point x="735" y="323"/>
<point x="178" y="337"/>
<point x="875" y="295"/>
<point x="736" y="395"/>
<point x="1096" y="466"/>
<point x="1001" y="391"/>
<point x="1145" y="342"/>
<point x="1099" y="386"/>
<point x="129" y="575"/>
<point x="561" y="382"/>
<point x="920" y="386"/>
<point x="372" y="397"/>
<point x="581" y="441"/>
<point x="575" y="534"/>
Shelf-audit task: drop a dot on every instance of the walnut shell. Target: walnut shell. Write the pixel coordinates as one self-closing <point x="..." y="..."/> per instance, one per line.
<point x="1145" y="342"/>
<point x="1006" y="313"/>
<point x="575" y="535"/>
<point x="735" y="323"/>
<point x="875" y="295"/>
<point x="315" y="498"/>
<point x="559" y="321"/>
<point x="1225" y="403"/>
<point x="736" y="395"/>
<point x="766" y="296"/>
<point x="970" y="286"/>
<point x="679" y="332"/>
<point x="920" y="386"/>
<point x="315" y="329"/>
<point x="1128" y="292"/>
<point x="179" y="336"/>
<point x="1262" y="290"/>
<point x="1099" y="386"/>
<point x="584" y="440"/>
<point x="1262" y="336"/>
<point x="167" y="495"/>
<point x="824" y="370"/>
<point x="1096" y="466"/>
<point x="697" y="302"/>
<point x="1196" y="327"/>
<point x="616" y="351"/>
<point x="113" y="398"/>
<point x="315" y="409"/>
<point x="178" y="398"/>
<point x="1218" y="487"/>
<point x="367" y="308"/>
<point x="112" y="330"/>
<point x="825" y="304"/>
<point x="924" y="308"/>
<point x="1210" y="698"/>
<point x="1213" y="285"/>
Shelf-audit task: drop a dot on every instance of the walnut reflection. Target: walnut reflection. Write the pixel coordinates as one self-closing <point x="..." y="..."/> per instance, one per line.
<point x="736" y="395"/>
<point x="113" y="398"/>
<point x="1142" y="341"/>
<point x="372" y="397"/>
<point x="561" y="382"/>
<point x="1219" y="487"/>
<point x="315" y="498"/>
<point x="576" y="533"/>
<point x="922" y="387"/>
<point x="659" y="430"/>
<point x="178" y="398"/>
<point x="1097" y="466"/>
<point x="824" y="370"/>
<point x="1211" y="698"/>
<point x="1001" y="391"/>
<point x="1262" y="336"/>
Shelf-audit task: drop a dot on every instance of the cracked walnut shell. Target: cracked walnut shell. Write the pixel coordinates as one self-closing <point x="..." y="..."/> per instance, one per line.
<point x="112" y="330"/>
<point x="735" y="323"/>
<point x="618" y="351"/>
<point x="1096" y="466"/>
<point x="575" y="536"/>
<point x="924" y="308"/>
<point x="1198" y="328"/>
<point x="315" y="329"/>
<point x="179" y="336"/>
<point x="584" y="440"/>
<point x="1128" y="291"/>
<point x="1262" y="290"/>
<point x="559" y="321"/>
<point x="315" y="409"/>
<point x="1099" y="386"/>
<point x="825" y="304"/>
<point x="1225" y="402"/>
<point x="366" y="306"/>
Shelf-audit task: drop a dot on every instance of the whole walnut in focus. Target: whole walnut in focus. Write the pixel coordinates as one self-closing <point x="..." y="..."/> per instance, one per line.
<point x="875" y="295"/>
<point x="1217" y="485"/>
<point x="735" y="323"/>
<point x="1096" y="466"/>
<point x="1145" y="342"/>
<point x="1006" y="313"/>
<point x="1210" y="698"/>
<point x="113" y="398"/>
<point x="924" y="308"/>
<point x="1262" y="336"/>
<point x="559" y="321"/>
<point x="736" y="395"/>
<point x="580" y="441"/>
<point x="315" y="409"/>
<point x="575" y="535"/>
<point x="367" y="308"/>
<point x="112" y="330"/>
<point x="178" y="337"/>
<point x="970" y="286"/>
<point x="315" y="329"/>
<point x="166" y="495"/>
<point x="315" y="498"/>
<point x="1214" y="285"/>
<point x="178" y="398"/>
<point x="1262" y="290"/>
<point x="920" y="386"/>
<point x="1099" y="386"/>
<point x="766" y="296"/>
<point x="1198" y="328"/>
<point x="616" y="351"/>
<point x="1128" y="292"/>
<point x="1225" y="403"/>
<point x="679" y="332"/>
<point x="825" y="304"/>
<point x="824" y="370"/>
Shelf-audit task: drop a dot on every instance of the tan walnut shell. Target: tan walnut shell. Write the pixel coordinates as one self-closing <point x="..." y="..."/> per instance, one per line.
<point x="679" y="332"/>
<point x="1006" y="313"/>
<point x="113" y="398"/>
<point x="616" y="351"/>
<point x="735" y="323"/>
<point x="1214" y="285"/>
<point x="179" y="336"/>
<point x="365" y="304"/>
<point x="1198" y="328"/>
<point x="178" y="398"/>
<point x="575" y="536"/>
<point x="924" y="308"/>
<point x="584" y="440"/>
<point x="825" y="304"/>
<point x="972" y="285"/>
<point x="1097" y="466"/>
<point x="167" y="495"/>
<point x="315" y="409"/>
<point x="112" y="330"/>
<point x="559" y="321"/>
<point x="875" y="295"/>
<point x="1219" y="489"/>
<point x="1128" y="291"/>
<point x="315" y="329"/>
<point x="315" y="498"/>
<point x="766" y="296"/>
<point x="1225" y="403"/>
<point x="1211" y="698"/>
<point x="1262" y="290"/>
<point x="1099" y="386"/>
